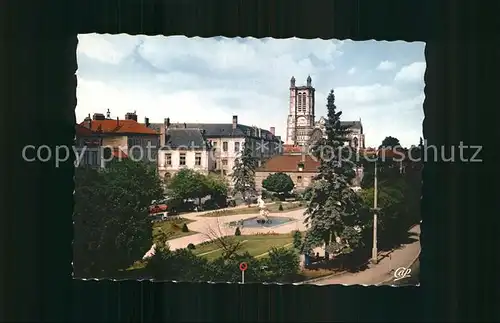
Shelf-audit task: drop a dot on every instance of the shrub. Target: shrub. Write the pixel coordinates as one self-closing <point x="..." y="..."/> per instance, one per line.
<point x="210" y="204"/>
<point x="282" y="264"/>
<point x="185" y="228"/>
<point x="280" y="207"/>
<point x="191" y="246"/>
<point x="297" y="240"/>
<point x="265" y="194"/>
<point x="237" y="232"/>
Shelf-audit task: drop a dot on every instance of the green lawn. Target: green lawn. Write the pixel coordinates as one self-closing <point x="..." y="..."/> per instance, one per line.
<point x="256" y="245"/>
<point x="173" y="228"/>
<point x="273" y="208"/>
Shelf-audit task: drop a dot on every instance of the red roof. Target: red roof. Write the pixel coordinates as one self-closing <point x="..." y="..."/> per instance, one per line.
<point x="82" y="131"/>
<point x="119" y="126"/>
<point x="290" y="163"/>
<point x="292" y="149"/>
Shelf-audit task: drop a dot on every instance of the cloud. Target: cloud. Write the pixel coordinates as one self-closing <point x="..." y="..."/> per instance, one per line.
<point x="411" y="73"/>
<point x="386" y="66"/>
<point x="369" y="94"/>
<point x="211" y="79"/>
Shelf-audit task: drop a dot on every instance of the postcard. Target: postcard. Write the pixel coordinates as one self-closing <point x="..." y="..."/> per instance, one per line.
<point x="248" y="160"/>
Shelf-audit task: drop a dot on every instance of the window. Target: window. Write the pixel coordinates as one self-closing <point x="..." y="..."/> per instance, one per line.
<point x="91" y="158"/>
<point x="214" y="144"/>
<point x="236" y="147"/>
<point x="304" y="100"/>
<point x="224" y="162"/>
<point x="300" y="100"/>
<point x="168" y="159"/>
<point x="197" y="159"/>
<point x="182" y="159"/>
<point x="224" y="146"/>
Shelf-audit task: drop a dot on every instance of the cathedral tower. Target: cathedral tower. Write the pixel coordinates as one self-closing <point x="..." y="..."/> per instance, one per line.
<point x="300" y="121"/>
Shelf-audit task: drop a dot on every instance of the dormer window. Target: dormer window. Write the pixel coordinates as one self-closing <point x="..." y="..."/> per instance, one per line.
<point x="300" y="166"/>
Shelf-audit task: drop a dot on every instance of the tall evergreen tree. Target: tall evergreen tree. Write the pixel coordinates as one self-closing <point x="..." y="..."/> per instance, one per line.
<point x="244" y="172"/>
<point x="332" y="212"/>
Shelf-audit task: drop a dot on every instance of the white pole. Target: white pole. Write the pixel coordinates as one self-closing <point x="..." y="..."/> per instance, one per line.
<point x="375" y="209"/>
<point x="242" y="276"/>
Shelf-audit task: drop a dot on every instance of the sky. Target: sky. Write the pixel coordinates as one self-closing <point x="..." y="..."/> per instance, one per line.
<point x="208" y="80"/>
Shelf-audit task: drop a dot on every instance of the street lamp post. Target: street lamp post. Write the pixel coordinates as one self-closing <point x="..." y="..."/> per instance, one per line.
<point x="375" y="210"/>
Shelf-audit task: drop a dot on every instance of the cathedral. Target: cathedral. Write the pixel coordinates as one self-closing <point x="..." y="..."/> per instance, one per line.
<point x="302" y="128"/>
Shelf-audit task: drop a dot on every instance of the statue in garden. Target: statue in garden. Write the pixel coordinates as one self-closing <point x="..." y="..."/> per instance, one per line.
<point x="263" y="211"/>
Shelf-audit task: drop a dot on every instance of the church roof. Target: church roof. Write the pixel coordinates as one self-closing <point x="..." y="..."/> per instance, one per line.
<point x="350" y="124"/>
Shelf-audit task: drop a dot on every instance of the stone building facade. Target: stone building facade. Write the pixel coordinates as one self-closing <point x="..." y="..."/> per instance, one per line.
<point x="301" y="169"/>
<point x="356" y="136"/>
<point x="302" y="128"/>
<point x="227" y="141"/>
<point x="300" y="120"/>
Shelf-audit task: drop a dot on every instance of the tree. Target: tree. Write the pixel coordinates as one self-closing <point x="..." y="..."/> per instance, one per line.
<point x="188" y="183"/>
<point x="244" y="173"/>
<point x="228" y="244"/>
<point x="112" y="227"/>
<point x="390" y="142"/>
<point x="333" y="208"/>
<point x="297" y="240"/>
<point x="281" y="264"/>
<point x="217" y="188"/>
<point x="278" y="182"/>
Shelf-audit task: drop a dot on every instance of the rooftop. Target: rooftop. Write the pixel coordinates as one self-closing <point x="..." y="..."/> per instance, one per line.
<point x="185" y="138"/>
<point x="289" y="164"/>
<point x="109" y="126"/>
<point x="220" y="129"/>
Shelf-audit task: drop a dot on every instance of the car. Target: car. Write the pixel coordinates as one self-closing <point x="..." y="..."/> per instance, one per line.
<point x="157" y="208"/>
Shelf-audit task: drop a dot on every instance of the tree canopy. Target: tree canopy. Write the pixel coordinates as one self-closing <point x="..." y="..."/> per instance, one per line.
<point x="390" y="142"/>
<point x="243" y="174"/>
<point x="112" y="228"/>
<point x="333" y="208"/>
<point x="188" y="183"/>
<point x="278" y="182"/>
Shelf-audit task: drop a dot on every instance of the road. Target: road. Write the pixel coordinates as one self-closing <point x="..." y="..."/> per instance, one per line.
<point x="207" y="227"/>
<point x="383" y="272"/>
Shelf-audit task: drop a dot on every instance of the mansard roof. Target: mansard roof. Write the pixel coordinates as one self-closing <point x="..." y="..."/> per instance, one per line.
<point x="185" y="138"/>
<point x="219" y="129"/>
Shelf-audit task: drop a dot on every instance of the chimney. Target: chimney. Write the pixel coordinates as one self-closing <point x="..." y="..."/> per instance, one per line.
<point x="163" y="134"/>
<point x="117" y="122"/>
<point x="87" y="122"/>
<point x="166" y="122"/>
<point x="131" y="116"/>
<point x="98" y="116"/>
<point x="235" y="122"/>
<point x="185" y="125"/>
<point x="146" y="122"/>
<point x="272" y="130"/>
